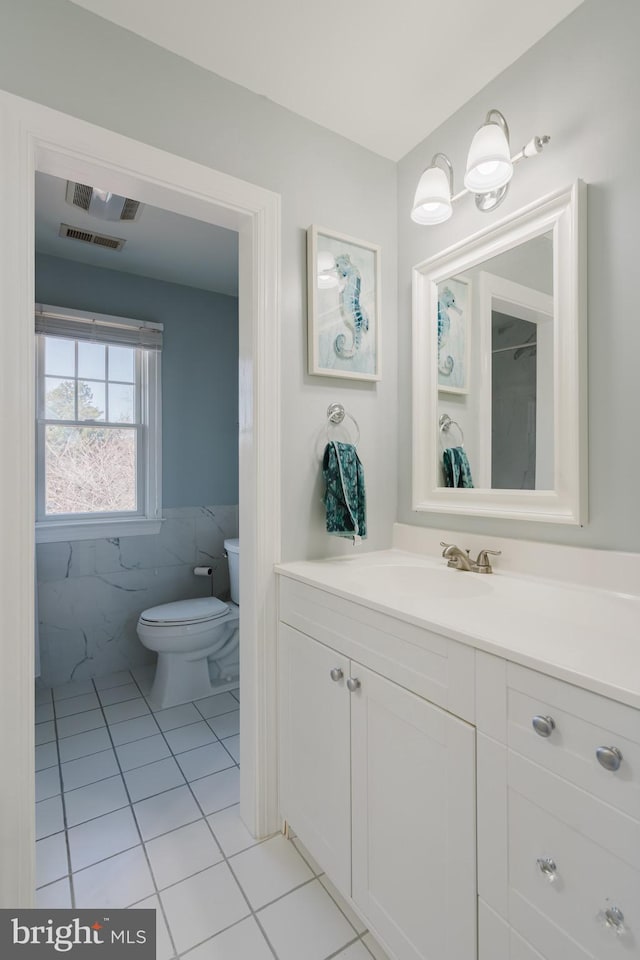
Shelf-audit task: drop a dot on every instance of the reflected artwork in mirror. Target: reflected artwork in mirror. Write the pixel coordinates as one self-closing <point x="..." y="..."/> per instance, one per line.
<point x="499" y="415"/>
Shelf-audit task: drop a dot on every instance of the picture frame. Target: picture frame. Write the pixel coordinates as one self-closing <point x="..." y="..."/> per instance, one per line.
<point x="343" y="279"/>
<point x="454" y="335"/>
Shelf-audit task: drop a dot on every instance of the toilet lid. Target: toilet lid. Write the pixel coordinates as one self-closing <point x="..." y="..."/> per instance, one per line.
<point x="186" y="611"/>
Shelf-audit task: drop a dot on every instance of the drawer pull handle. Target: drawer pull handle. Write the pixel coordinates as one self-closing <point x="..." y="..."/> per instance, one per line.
<point x="336" y="674"/>
<point x="613" y="918"/>
<point x="353" y="684"/>
<point x="548" y="868"/>
<point x="609" y="757"/>
<point x="544" y="726"/>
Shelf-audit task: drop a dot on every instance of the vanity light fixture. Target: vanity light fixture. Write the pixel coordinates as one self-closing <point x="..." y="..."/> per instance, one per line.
<point x="489" y="170"/>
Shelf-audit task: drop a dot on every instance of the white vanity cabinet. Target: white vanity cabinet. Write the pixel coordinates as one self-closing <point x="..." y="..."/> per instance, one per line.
<point x="377" y="781"/>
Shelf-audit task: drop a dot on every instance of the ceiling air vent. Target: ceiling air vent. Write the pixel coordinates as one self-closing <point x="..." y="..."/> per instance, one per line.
<point x="102" y="204"/>
<point x="86" y="236"/>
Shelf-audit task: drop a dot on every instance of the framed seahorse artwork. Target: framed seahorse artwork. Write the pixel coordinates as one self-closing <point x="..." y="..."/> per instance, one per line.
<point x="343" y="277"/>
<point x="454" y="335"/>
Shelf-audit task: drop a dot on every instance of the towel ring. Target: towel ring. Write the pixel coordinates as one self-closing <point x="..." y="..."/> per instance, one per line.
<point x="446" y="423"/>
<point x="335" y="416"/>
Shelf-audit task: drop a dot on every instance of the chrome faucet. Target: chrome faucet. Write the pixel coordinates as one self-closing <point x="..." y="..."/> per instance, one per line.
<point x="460" y="559"/>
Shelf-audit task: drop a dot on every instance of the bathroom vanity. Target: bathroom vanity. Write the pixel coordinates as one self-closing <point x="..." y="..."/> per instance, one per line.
<point x="461" y="755"/>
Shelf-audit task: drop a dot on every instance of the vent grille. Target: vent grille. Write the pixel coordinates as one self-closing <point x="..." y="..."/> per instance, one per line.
<point x="130" y="209"/>
<point x="97" y="239"/>
<point x="82" y="195"/>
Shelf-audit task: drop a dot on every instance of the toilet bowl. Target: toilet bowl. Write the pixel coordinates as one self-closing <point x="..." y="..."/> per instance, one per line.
<point x="185" y="634"/>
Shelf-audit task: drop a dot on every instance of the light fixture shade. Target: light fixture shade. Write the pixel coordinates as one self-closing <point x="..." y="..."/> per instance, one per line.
<point x="432" y="202"/>
<point x="489" y="164"/>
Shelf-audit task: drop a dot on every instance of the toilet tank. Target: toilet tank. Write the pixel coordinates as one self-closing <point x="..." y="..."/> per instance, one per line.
<point x="233" y="550"/>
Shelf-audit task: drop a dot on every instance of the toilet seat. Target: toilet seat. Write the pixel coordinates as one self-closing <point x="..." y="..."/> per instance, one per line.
<point x="184" y="612"/>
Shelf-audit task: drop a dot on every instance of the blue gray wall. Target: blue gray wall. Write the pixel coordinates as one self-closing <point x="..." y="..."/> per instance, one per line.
<point x="199" y="369"/>
<point x="579" y="84"/>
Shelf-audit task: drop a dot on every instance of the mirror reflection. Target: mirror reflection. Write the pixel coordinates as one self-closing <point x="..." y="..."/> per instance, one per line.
<point x="496" y="371"/>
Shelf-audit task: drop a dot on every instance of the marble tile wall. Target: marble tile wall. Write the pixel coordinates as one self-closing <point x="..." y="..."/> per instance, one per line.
<point x="91" y="592"/>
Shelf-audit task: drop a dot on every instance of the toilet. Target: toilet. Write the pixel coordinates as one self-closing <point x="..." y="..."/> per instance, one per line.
<point x="186" y="635"/>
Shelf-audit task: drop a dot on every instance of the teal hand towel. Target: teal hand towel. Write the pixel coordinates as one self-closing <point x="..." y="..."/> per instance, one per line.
<point x="344" y="497"/>
<point x="457" y="472"/>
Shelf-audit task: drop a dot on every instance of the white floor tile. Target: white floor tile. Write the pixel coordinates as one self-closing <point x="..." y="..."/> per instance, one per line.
<point x="164" y="947"/>
<point x="78" y="688"/>
<point x="216" y="705"/>
<point x="203" y="905"/>
<point x="306" y="923"/>
<point x="117" y="712"/>
<point x="129" y="730"/>
<point x="49" y="817"/>
<point x="168" y="810"/>
<point x="374" y="947"/>
<point x="44" y="711"/>
<point x="181" y="853"/>
<point x="203" y="761"/>
<point x="140" y="752"/>
<point x="66" y="708"/>
<point x="84" y="744"/>
<point x="57" y="896"/>
<point x="236" y="695"/>
<point x="355" y="952"/>
<point x="218" y="791"/>
<point x="126" y="691"/>
<point x="80" y="723"/>
<point x="98" y="766"/>
<point x="228" y="725"/>
<point x="153" y="778"/>
<point x="95" y="800"/>
<point x="230" y="831"/>
<point x="51" y="859"/>
<point x="46" y="755"/>
<point x="144" y="677"/>
<point x="101" y="838"/>
<point x="337" y="897"/>
<point x="177" y="716"/>
<point x="306" y="856"/>
<point x="190" y="736"/>
<point x="242" y="942"/>
<point x="45" y="732"/>
<point x="232" y="744"/>
<point x="117" y="882"/>
<point x="269" y="870"/>
<point x="42" y="695"/>
<point x="112" y="680"/>
<point x="47" y="783"/>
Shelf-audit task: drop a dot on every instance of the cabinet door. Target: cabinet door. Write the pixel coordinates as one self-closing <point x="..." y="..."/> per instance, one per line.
<point x="413" y="821"/>
<point x="315" y="751"/>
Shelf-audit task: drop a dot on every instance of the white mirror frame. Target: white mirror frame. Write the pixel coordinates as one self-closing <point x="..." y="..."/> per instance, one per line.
<point x="564" y="213"/>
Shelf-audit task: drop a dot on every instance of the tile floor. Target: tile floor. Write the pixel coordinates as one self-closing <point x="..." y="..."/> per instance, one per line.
<point x="139" y="808"/>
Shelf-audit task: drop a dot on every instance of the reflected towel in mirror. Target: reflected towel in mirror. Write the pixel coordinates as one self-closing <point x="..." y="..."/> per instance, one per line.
<point x="457" y="472"/>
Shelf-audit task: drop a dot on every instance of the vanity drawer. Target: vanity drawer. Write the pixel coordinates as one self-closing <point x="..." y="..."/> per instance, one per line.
<point x="436" y="668"/>
<point x="566" y="919"/>
<point x="583" y="727"/>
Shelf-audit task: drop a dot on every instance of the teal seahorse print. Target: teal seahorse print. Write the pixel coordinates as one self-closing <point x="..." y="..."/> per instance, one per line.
<point x="446" y="302"/>
<point x="354" y="315"/>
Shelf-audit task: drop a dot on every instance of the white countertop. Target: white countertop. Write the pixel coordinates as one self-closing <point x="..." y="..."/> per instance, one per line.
<point x="587" y="637"/>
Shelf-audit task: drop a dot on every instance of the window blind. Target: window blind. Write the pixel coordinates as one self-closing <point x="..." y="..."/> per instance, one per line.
<point x="103" y="329"/>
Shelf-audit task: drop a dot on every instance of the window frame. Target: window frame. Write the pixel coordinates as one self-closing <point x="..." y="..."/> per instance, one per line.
<point x="147" y="519"/>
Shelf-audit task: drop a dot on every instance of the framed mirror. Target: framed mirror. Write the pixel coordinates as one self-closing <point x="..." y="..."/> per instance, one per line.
<point x="499" y="368"/>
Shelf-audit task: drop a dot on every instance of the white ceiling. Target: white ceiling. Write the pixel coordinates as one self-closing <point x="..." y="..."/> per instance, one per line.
<point x="161" y="245"/>
<point x="384" y="73"/>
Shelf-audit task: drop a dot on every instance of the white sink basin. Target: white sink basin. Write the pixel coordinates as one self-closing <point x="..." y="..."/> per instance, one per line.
<point x="395" y="580"/>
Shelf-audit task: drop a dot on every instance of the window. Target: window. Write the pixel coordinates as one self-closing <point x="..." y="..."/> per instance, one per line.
<point x="98" y="425"/>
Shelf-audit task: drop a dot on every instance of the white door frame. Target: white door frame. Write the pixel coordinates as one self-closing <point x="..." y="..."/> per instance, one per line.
<point x="34" y="137"/>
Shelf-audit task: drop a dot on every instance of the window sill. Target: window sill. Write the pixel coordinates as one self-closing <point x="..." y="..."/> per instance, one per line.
<point x="55" y="531"/>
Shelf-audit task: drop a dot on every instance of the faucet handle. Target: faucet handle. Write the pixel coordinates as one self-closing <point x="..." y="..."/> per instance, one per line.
<point x="483" y="564"/>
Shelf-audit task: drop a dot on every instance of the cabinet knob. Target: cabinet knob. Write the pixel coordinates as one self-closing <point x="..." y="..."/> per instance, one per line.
<point x="609" y="757"/>
<point x="336" y="674"/>
<point x="544" y="726"/>
<point x="613" y="919"/>
<point x="353" y="684"/>
<point x="547" y="868"/>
